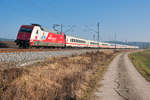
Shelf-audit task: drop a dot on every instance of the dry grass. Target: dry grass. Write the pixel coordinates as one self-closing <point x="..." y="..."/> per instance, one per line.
<point x="59" y="78"/>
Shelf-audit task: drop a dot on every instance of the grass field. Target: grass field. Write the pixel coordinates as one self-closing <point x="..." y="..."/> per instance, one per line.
<point x="57" y="78"/>
<point x="141" y="60"/>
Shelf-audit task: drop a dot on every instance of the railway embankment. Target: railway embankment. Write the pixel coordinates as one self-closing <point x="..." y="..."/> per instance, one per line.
<point x="57" y="78"/>
<point x="18" y="58"/>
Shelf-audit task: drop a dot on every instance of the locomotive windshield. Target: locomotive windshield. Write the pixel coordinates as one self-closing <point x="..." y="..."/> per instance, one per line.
<point x="27" y="30"/>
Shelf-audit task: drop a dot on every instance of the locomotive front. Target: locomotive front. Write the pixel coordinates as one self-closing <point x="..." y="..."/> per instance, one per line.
<point x="23" y="37"/>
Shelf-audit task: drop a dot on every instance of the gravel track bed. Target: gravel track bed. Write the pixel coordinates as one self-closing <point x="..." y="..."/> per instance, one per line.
<point x="26" y="57"/>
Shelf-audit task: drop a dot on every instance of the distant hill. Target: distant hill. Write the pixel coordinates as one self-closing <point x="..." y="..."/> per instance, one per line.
<point x="139" y="44"/>
<point x="4" y="39"/>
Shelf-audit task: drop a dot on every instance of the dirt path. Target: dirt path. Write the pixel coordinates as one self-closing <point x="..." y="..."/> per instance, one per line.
<point x="123" y="82"/>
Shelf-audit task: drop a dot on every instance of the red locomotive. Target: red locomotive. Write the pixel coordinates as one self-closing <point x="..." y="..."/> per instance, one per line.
<point x="35" y="35"/>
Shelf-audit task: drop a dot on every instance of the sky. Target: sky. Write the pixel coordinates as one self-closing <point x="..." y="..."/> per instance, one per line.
<point x="128" y="19"/>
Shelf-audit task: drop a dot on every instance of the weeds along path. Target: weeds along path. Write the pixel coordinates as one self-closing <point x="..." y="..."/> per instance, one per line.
<point x="57" y="78"/>
<point x="123" y="82"/>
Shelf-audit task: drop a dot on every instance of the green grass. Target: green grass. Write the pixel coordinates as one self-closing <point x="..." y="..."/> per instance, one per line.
<point x="141" y="60"/>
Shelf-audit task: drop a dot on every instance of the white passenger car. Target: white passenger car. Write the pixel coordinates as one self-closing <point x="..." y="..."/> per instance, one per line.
<point x="72" y="41"/>
<point x="93" y="44"/>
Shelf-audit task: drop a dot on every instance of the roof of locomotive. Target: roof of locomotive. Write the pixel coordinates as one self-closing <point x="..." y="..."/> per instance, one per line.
<point x="44" y="29"/>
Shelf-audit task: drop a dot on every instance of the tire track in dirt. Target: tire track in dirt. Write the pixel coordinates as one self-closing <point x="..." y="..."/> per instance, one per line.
<point x="124" y="82"/>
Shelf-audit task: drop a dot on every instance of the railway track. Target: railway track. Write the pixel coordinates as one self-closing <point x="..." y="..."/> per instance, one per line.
<point x="13" y="50"/>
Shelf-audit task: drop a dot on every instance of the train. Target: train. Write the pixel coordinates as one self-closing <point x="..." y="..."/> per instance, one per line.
<point x="35" y="35"/>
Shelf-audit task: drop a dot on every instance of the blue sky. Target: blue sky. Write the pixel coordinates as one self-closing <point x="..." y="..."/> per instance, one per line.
<point x="129" y="19"/>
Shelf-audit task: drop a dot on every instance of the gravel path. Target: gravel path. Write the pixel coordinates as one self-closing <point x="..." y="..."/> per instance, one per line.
<point x="123" y="82"/>
<point x="24" y="57"/>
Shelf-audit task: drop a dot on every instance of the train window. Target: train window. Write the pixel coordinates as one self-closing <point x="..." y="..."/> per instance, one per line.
<point x="80" y="41"/>
<point x="104" y="44"/>
<point x="93" y="43"/>
<point x="72" y="40"/>
<point x="27" y="30"/>
<point x="76" y="40"/>
<point x="83" y="41"/>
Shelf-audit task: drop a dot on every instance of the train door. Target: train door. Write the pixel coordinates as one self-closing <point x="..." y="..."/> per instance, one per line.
<point x="39" y="34"/>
